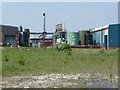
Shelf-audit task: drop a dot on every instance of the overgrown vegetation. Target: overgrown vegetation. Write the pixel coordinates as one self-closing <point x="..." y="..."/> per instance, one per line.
<point x="64" y="48"/>
<point x="21" y="59"/>
<point x="37" y="60"/>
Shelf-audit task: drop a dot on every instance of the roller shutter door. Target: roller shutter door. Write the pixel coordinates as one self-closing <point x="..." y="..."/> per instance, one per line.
<point x="10" y="39"/>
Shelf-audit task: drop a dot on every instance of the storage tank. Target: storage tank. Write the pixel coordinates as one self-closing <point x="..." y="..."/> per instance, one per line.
<point x="88" y="39"/>
<point x="82" y="36"/>
<point x="26" y="35"/>
<point x="73" y="38"/>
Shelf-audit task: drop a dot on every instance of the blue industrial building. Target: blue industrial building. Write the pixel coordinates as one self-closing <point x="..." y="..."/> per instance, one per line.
<point x="114" y="35"/>
<point x="107" y="36"/>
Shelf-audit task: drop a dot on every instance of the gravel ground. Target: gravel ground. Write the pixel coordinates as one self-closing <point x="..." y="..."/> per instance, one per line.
<point x="61" y="80"/>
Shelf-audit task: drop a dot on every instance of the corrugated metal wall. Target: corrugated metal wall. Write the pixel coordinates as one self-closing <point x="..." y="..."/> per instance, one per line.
<point x="102" y="37"/>
<point x="96" y="36"/>
<point x="114" y="35"/>
<point x="10" y="39"/>
<point x="99" y="38"/>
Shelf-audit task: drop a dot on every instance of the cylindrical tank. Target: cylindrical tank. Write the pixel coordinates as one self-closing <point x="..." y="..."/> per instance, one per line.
<point x="26" y="36"/>
<point x="73" y="38"/>
<point x="82" y="36"/>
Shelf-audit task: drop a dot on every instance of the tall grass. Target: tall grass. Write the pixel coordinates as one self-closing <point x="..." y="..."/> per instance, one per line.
<point x="38" y="60"/>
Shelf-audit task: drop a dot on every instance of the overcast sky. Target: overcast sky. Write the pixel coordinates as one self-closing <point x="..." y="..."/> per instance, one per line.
<point x="75" y="15"/>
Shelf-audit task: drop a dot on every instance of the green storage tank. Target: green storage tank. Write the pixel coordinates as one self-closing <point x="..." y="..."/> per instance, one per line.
<point x="73" y="38"/>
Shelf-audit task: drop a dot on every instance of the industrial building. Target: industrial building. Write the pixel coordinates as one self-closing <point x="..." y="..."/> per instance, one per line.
<point x="107" y="36"/>
<point x="99" y="35"/>
<point x="9" y="35"/>
<point x="83" y="37"/>
<point x="46" y="39"/>
<point x="13" y="36"/>
<point x="60" y="35"/>
<point x="114" y="36"/>
<point x="24" y="37"/>
<point x="36" y="39"/>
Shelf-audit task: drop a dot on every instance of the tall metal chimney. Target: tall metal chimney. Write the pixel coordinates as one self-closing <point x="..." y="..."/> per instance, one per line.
<point x="44" y="32"/>
<point x="44" y="22"/>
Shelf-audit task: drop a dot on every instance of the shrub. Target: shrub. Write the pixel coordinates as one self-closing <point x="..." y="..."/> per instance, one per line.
<point x="21" y="62"/>
<point x="63" y="47"/>
<point x="66" y="47"/>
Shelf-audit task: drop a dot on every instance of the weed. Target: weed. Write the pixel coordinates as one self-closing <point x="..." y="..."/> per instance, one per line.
<point x="6" y="58"/>
<point x="64" y="48"/>
<point x="41" y="61"/>
<point x="82" y="87"/>
<point x="69" y="52"/>
<point x="102" y="51"/>
<point x="111" y="71"/>
<point x="21" y="60"/>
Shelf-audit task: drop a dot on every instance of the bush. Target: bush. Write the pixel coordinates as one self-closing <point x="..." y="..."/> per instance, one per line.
<point x="21" y="62"/>
<point x="64" y="48"/>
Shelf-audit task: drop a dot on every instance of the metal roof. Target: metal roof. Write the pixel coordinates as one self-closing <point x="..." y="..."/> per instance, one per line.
<point x="100" y="28"/>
